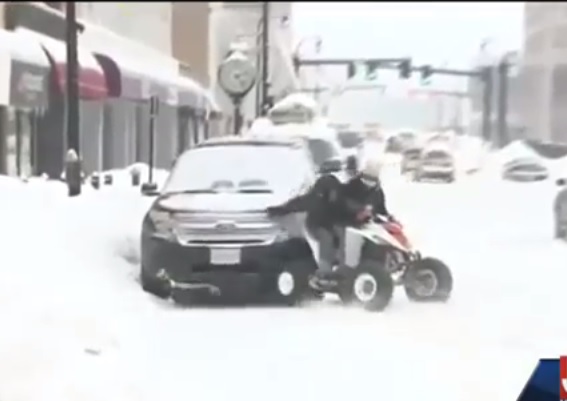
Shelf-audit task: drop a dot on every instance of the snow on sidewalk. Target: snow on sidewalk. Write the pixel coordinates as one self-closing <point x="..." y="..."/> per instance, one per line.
<point x="64" y="305"/>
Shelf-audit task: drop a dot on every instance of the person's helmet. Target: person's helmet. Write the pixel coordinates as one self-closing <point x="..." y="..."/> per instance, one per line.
<point x="370" y="175"/>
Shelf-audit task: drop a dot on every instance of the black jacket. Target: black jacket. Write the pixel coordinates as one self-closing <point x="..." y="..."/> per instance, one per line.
<point x="322" y="203"/>
<point x="356" y="196"/>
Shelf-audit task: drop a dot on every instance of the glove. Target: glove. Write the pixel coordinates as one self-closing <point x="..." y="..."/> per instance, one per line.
<point x="275" y="211"/>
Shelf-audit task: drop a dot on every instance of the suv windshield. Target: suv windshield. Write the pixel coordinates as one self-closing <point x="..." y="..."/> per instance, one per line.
<point x="236" y="167"/>
<point x="321" y="150"/>
<point x="349" y="139"/>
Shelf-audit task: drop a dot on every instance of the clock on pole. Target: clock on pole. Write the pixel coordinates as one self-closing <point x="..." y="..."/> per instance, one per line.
<point x="237" y="76"/>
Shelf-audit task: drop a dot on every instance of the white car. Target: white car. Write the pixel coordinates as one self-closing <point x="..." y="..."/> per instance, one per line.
<point x="436" y="163"/>
<point x="525" y="170"/>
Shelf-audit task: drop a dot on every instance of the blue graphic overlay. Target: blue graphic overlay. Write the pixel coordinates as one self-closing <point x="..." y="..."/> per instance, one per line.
<point x="543" y="384"/>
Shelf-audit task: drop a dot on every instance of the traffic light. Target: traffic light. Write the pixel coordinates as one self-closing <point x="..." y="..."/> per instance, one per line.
<point x="426" y="73"/>
<point x="351" y="70"/>
<point x="371" y="73"/>
<point x="405" y="69"/>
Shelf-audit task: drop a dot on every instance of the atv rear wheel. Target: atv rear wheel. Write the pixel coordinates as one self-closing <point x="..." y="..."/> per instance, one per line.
<point x="428" y="280"/>
<point x="370" y="286"/>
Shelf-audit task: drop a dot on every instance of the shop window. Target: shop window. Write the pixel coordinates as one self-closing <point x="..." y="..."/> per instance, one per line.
<point x="57" y="5"/>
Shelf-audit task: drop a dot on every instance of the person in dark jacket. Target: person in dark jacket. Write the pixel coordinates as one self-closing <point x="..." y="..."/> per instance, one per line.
<point x="364" y="191"/>
<point x="322" y="204"/>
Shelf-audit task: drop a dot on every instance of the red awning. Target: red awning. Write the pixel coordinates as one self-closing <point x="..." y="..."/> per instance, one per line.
<point x="92" y="82"/>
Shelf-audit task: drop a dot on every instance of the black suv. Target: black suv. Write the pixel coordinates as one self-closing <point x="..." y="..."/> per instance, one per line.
<point x="207" y="231"/>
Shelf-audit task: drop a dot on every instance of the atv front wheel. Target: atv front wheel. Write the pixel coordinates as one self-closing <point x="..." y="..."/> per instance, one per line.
<point x="291" y="285"/>
<point x="428" y="280"/>
<point x="370" y="286"/>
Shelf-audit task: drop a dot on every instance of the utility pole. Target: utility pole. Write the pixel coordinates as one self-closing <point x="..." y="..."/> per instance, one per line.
<point x="502" y="110"/>
<point x="73" y="168"/>
<point x="487" y="104"/>
<point x="265" y="85"/>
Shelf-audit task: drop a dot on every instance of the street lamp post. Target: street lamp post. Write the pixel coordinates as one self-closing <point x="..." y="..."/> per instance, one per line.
<point x="73" y="165"/>
<point x="265" y="84"/>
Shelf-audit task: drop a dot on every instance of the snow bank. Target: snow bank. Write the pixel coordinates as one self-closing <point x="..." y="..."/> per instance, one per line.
<point x="122" y="177"/>
<point x="516" y="149"/>
<point x="66" y="293"/>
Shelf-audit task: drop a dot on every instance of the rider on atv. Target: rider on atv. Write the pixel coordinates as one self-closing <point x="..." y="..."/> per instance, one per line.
<point x="364" y="197"/>
<point x="322" y="204"/>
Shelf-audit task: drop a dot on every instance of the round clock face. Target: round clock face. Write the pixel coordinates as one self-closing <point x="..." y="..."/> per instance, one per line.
<point x="237" y="76"/>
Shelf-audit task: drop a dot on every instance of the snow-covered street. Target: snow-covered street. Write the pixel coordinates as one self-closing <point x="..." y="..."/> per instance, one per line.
<point x="76" y="325"/>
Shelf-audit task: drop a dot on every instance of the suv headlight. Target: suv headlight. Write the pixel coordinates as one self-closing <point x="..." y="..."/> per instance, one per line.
<point x="162" y="223"/>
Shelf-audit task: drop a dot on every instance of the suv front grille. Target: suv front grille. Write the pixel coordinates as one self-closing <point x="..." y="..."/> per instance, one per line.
<point x="224" y="228"/>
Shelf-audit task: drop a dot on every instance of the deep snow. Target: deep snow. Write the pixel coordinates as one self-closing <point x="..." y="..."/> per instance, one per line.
<point x="77" y="327"/>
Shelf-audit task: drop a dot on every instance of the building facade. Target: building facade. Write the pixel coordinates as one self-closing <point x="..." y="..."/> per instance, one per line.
<point x="516" y="100"/>
<point x="545" y="70"/>
<point x="190" y="38"/>
<point x="118" y="74"/>
<point x="242" y="23"/>
<point x="149" y="23"/>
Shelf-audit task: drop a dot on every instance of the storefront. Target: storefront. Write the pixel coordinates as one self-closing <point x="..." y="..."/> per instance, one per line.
<point x="190" y="114"/>
<point x="27" y="100"/>
<point x="128" y="91"/>
<point x="52" y="138"/>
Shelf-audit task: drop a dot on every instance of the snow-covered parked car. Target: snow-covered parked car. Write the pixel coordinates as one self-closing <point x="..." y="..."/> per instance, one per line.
<point x="410" y="160"/>
<point x="525" y="169"/>
<point x="560" y="210"/>
<point x="208" y="233"/>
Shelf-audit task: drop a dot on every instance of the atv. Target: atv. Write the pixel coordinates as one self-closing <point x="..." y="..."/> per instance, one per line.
<point x="378" y="256"/>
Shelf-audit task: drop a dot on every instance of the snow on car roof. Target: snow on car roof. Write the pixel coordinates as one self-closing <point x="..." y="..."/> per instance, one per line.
<point x="296" y="99"/>
<point x="261" y="140"/>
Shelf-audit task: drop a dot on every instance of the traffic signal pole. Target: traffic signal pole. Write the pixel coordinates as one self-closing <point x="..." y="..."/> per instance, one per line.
<point x="347" y="61"/>
<point x="502" y="103"/>
<point x="403" y="65"/>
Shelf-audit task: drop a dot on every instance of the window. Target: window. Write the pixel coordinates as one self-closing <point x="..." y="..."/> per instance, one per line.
<point x="349" y="139"/>
<point x="321" y="150"/>
<point x="527" y="168"/>
<point x="55" y="5"/>
<point x="236" y="165"/>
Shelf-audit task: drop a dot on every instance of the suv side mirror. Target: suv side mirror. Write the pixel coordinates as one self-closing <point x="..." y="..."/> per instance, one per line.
<point x="331" y="166"/>
<point x="561" y="182"/>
